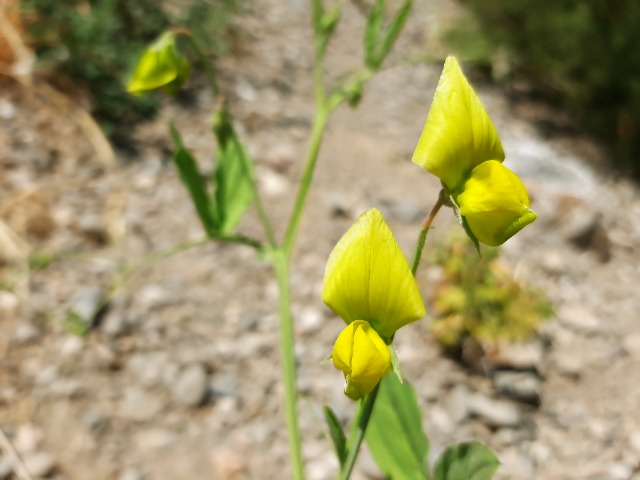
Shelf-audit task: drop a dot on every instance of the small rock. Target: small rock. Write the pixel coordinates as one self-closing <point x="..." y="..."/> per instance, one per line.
<point x="634" y="441"/>
<point x="71" y="347"/>
<point x="27" y="438"/>
<point x="578" y="318"/>
<point x="273" y="184"/>
<point x="631" y="345"/>
<point x="514" y="355"/>
<point x="39" y="464"/>
<point x="8" y="303"/>
<point x="152" y="296"/>
<point x="132" y="474"/>
<point x="154" y="439"/>
<point x="456" y="405"/>
<point x="228" y="465"/>
<point x="495" y="413"/>
<point x="6" y="467"/>
<point x="310" y="320"/>
<point x="95" y="420"/>
<point x="280" y="157"/>
<point x="585" y="230"/>
<point x="87" y="304"/>
<point x="139" y="405"/>
<point x="521" y="386"/>
<point x="190" y="387"/>
<point x="93" y="228"/>
<point x="7" y="109"/>
<point x="568" y="364"/>
<point x="620" y="471"/>
<point x="114" y="324"/>
<point x="24" y="333"/>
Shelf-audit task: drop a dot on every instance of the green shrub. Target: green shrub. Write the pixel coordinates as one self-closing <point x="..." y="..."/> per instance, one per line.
<point x="582" y="54"/>
<point x="95" y="43"/>
<point x="477" y="297"/>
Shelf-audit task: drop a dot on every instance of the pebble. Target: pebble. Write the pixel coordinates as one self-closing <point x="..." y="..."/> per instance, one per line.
<point x="190" y="388"/>
<point x="631" y="345"/>
<point x="24" y="333"/>
<point x="6" y="467"/>
<point x="154" y="439"/>
<point x="27" y="438"/>
<point x="39" y="464"/>
<point x="521" y="386"/>
<point x="137" y="404"/>
<point x="578" y="318"/>
<point x="152" y="296"/>
<point x="87" y="304"/>
<point x="456" y="405"/>
<point x="8" y="303"/>
<point x="132" y="474"/>
<point x="568" y="364"/>
<point x="515" y="355"/>
<point x="95" y="420"/>
<point x="494" y="413"/>
<point x="309" y="320"/>
<point x="273" y="184"/>
<point x="71" y="348"/>
<point x="93" y="228"/>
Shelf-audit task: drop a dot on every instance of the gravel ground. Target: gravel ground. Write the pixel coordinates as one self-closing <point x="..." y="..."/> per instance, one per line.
<point x="179" y="376"/>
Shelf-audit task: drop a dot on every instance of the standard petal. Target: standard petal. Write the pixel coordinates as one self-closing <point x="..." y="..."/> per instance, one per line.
<point x="495" y="203"/>
<point x="458" y="133"/>
<point x="368" y="278"/>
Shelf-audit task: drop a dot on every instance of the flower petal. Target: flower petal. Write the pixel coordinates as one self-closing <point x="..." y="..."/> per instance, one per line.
<point x="495" y="203"/>
<point x="363" y="357"/>
<point x="458" y="133"/>
<point x="367" y="278"/>
<point x="161" y="65"/>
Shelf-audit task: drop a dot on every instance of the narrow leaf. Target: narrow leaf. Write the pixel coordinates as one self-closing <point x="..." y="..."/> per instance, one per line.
<point x="337" y="434"/>
<point x="466" y="461"/>
<point x="394" y="435"/>
<point x="395" y="28"/>
<point x="192" y="179"/>
<point x="233" y="176"/>
<point x="372" y="34"/>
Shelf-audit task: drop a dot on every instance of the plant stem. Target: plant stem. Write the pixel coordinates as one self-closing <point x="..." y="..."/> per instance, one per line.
<point x="356" y="435"/>
<point x="417" y="255"/>
<point x="287" y="358"/>
<point x="202" y="58"/>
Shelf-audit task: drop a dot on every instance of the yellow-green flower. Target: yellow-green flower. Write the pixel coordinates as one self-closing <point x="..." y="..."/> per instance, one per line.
<point x="460" y="145"/>
<point x="458" y="133"/>
<point x="362" y="356"/>
<point x="161" y="66"/>
<point x="369" y="284"/>
<point x="494" y="203"/>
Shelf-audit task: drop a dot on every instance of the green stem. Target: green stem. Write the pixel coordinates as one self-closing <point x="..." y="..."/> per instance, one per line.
<point x="356" y="436"/>
<point x="417" y="255"/>
<point x="202" y="58"/>
<point x="287" y="357"/>
<point x="319" y="125"/>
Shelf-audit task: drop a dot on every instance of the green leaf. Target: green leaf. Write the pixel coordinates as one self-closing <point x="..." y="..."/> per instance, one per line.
<point x="394" y="435"/>
<point x="395" y="28"/>
<point x="337" y="434"/>
<point x="371" y="35"/>
<point x="233" y="177"/>
<point x="194" y="182"/>
<point x="467" y="461"/>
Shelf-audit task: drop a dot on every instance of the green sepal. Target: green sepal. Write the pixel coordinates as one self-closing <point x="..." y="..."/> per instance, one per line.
<point x="336" y="433"/>
<point x="466" y="461"/>
<point x="395" y="362"/>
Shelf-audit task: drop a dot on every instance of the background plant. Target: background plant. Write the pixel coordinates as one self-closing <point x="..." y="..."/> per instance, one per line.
<point x="478" y="298"/>
<point x="94" y="44"/>
<point x="579" y="54"/>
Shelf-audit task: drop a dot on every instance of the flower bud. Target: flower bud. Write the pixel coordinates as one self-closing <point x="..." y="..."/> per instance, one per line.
<point x="494" y="203"/>
<point x="161" y="66"/>
<point x="362" y="356"/>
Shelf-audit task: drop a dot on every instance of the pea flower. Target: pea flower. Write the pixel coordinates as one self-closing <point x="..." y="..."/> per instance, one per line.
<point x="161" y="66"/>
<point x="460" y="145"/>
<point x="369" y="284"/>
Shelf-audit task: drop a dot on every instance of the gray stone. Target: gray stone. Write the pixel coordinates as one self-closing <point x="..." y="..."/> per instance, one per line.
<point x="6" y="467"/>
<point x="8" y="303"/>
<point x="71" y="347"/>
<point x="152" y="296"/>
<point x="568" y="364"/>
<point x="94" y="420"/>
<point x="520" y="386"/>
<point x="93" y="227"/>
<point x="27" y="438"/>
<point x="578" y="318"/>
<point x="494" y="413"/>
<point x="139" y="405"/>
<point x="456" y="405"/>
<point x="132" y="474"/>
<point x="190" y="388"/>
<point x="309" y="320"/>
<point x="87" y="304"/>
<point x="515" y="355"/>
<point x="39" y="464"/>
<point x="24" y="333"/>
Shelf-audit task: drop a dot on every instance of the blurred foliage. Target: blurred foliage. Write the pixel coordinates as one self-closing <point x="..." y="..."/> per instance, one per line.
<point x="95" y="44"/>
<point x="477" y="297"/>
<point x="579" y="54"/>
